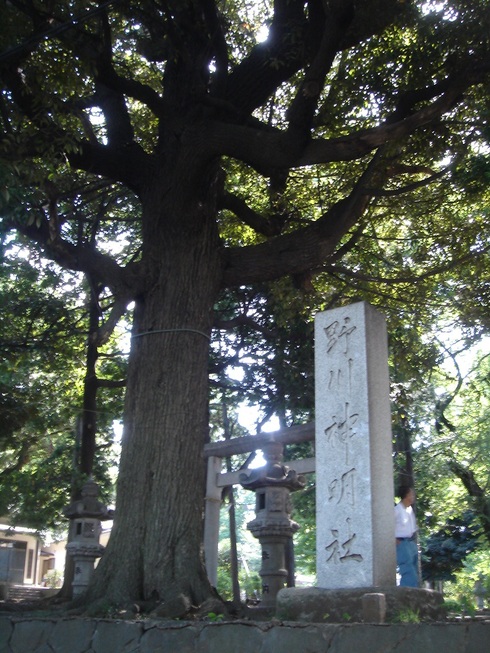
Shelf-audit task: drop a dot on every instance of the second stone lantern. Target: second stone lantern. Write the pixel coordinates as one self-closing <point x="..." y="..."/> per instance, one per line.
<point x="86" y="515"/>
<point x="272" y="525"/>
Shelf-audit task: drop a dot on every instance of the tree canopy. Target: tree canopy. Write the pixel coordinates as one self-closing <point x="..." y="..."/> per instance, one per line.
<point x="171" y="153"/>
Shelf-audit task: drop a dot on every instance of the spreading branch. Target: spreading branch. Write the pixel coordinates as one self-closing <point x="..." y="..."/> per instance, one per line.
<point x="306" y="248"/>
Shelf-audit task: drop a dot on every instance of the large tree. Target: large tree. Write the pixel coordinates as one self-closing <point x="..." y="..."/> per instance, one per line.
<point x="207" y="132"/>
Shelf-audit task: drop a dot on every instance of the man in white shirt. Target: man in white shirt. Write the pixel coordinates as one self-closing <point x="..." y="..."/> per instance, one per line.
<point x="406" y="538"/>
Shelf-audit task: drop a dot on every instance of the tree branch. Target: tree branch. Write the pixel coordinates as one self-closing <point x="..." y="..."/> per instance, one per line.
<point x="294" y="40"/>
<point x="219" y="45"/>
<point x="380" y="192"/>
<point x="117" y="311"/>
<point x="468" y="479"/>
<point x="109" y="383"/>
<point x="303" y="250"/>
<point x="119" y="128"/>
<point x="125" y="283"/>
<point x="257" y="222"/>
<point x="272" y="62"/>
<point x="23" y="458"/>
<point x="475" y="491"/>
<point x="358" y="144"/>
<point x="336" y="19"/>
<point x="267" y="149"/>
<point x="410" y="278"/>
<point x="129" y="165"/>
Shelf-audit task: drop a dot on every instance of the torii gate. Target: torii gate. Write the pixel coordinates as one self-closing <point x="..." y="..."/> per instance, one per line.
<point x="217" y="480"/>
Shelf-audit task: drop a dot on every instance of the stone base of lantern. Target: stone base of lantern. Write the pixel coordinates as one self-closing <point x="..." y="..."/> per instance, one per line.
<point x="84" y="556"/>
<point x="273" y="571"/>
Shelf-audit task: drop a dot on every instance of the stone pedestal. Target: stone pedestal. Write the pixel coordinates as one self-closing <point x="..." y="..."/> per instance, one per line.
<point x="86" y="515"/>
<point x="315" y="604"/>
<point x="354" y="485"/>
<point x="272" y="526"/>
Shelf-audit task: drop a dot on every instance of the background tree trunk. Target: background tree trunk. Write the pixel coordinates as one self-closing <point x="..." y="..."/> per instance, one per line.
<point x="86" y="429"/>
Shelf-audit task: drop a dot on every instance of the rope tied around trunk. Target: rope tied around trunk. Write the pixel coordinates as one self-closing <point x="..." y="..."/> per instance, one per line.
<point x="147" y="333"/>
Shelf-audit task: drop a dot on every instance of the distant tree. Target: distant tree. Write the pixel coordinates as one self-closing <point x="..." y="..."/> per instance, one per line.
<point x="461" y="438"/>
<point x="445" y="550"/>
<point x="39" y="346"/>
<point x="44" y="452"/>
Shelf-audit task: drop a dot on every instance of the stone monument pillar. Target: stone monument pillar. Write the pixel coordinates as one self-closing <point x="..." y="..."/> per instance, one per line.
<point x="354" y="471"/>
<point x="272" y="526"/>
<point x="87" y="514"/>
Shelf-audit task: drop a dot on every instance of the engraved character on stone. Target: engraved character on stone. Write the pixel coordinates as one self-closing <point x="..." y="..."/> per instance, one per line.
<point x="333" y="547"/>
<point x="348" y="484"/>
<point x="342" y="431"/>
<point x="355" y="557"/>
<point x="342" y="490"/>
<point x="335" y="332"/>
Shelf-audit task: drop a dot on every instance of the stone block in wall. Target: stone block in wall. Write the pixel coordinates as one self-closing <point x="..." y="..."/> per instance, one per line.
<point x="6" y="630"/>
<point x="31" y="635"/>
<point x="173" y="638"/>
<point x="72" y="635"/>
<point x="220" y="638"/>
<point x="300" y="637"/>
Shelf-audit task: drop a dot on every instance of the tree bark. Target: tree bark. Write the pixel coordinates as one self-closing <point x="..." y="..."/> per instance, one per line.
<point x="158" y="524"/>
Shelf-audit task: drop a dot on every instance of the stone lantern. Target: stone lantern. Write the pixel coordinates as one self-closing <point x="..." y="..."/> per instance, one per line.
<point x="272" y="525"/>
<point x="86" y="515"/>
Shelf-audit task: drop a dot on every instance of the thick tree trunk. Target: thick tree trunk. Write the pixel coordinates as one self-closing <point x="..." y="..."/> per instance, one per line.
<point x="159" y="508"/>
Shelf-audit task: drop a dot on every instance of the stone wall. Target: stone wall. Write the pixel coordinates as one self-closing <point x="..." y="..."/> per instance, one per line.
<point x="76" y="635"/>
